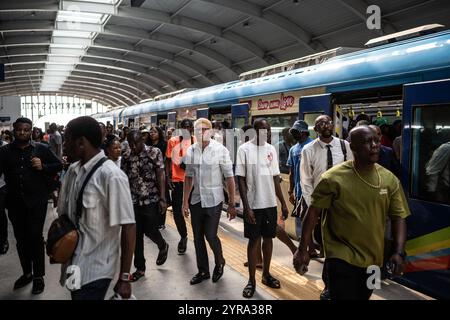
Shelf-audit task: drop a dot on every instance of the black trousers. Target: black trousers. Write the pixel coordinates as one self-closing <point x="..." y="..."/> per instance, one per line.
<point x="347" y="282"/>
<point x="28" y="224"/>
<point x="177" y="203"/>
<point x="3" y="218"/>
<point x="95" y="290"/>
<point x="146" y="224"/>
<point x="205" y="222"/>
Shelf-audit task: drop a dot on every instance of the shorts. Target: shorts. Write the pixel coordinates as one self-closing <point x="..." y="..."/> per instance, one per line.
<point x="266" y="224"/>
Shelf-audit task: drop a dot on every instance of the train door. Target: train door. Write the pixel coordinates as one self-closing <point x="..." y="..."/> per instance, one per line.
<point x="161" y="120"/>
<point x="239" y="115"/>
<point x="426" y="180"/>
<point x="154" y="120"/>
<point x="172" y="119"/>
<point x="313" y="106"/>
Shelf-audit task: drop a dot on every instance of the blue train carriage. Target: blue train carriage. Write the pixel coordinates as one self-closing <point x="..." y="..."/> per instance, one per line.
<point x="399" y="77"/>
<point x="410" y="79"/>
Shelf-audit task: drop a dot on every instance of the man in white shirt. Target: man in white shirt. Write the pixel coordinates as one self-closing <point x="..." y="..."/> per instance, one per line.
<point x="107" y="227"/>
<point x="258" y="177"/>
<point x="207" y="162"/>
<point x="317" y="157"/>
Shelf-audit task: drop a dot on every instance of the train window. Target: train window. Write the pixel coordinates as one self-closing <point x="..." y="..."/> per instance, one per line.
<point x="430" y="153"/>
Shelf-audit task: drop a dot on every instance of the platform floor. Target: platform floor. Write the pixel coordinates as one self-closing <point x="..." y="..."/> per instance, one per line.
<point x="171" y="280"/>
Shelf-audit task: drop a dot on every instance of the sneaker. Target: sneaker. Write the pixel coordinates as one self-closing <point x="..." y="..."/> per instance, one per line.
<point x="182" y="245"/>
<point x="38" y="285"/>
<point x="4" y="247"/>
<point x="23" y="281"/>
<point x="162" y="256"/>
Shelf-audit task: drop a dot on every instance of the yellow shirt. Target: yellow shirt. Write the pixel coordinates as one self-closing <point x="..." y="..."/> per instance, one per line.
<point x="358" y="205"/>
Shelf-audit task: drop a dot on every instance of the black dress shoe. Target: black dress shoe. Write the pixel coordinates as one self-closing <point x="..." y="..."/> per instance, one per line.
<point x="199" y="277"/>
<point x="38" y="286"/>
<point x="182" y="245"/>
<point x="4" y="247"/>
<point x="218" y="272"/>
<point x="325" y="294"/>
<point x="23" y="281"/>
<point x="162" y="256"/>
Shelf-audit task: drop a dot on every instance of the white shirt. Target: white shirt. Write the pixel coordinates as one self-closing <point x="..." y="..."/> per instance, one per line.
<point x="106" y="206"/>
<point x="258" y="164"/>
<point x="207" y="169"/>
<point x="314" y="163"/>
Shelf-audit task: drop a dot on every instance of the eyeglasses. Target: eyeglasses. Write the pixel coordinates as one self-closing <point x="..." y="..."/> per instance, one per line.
<point x="324" y="123"/>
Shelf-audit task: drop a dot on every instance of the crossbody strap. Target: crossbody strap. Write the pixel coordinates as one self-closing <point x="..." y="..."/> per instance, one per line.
<point x="86" y="180"/>
<point x="344" y="149"/>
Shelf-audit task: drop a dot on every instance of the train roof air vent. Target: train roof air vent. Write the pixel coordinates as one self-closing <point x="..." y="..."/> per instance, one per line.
<point x="311" y="60"/>
<point x="403" y="35"/>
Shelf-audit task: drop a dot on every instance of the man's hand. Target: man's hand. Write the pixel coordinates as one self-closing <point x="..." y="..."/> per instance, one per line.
<point x="231" y="212"/>
<point x="185" y="210"/>
<point x="284" y="212"/>
<point x="291" y="198"/>
<point x="36" y="163"/>
<point x="123" y="288"/>
<point x="301" y="257"/>
<point x="170" y="183"/>
<point x="162" y="206"/>
<point x="249" y="216"/>
<point x="398" y="264"/>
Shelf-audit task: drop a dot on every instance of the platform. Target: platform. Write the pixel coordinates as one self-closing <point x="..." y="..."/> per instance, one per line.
<point x="171" y="280"/>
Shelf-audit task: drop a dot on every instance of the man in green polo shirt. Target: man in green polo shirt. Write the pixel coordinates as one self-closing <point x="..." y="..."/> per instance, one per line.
<point x="358" y="196"/>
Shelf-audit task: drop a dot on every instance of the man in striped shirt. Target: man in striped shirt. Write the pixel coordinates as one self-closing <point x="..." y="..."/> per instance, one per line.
<point x="107" y="222"/>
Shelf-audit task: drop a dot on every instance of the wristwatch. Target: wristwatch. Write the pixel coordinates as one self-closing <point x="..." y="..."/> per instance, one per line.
<point x="125" y="277"/>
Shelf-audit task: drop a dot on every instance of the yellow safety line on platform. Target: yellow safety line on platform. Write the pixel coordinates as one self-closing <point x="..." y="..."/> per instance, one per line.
<point x="293" y="286"/>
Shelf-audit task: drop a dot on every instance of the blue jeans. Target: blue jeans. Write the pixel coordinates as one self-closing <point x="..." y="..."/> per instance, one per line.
<point x="95" y="290"/>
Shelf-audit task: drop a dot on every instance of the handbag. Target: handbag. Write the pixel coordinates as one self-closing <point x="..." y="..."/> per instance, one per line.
<point x="62" y="237"/>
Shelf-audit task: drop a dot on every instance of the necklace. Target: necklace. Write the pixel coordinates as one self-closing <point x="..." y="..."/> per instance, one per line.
<point x="369" y="184"/>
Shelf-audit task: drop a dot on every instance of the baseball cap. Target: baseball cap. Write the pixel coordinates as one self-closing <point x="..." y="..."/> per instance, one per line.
<point x="300" y="126"/>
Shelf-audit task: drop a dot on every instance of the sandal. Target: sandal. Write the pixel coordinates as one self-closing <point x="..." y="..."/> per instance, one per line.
<point x="135" y="276"/>
<point x="249" y="290"/>
<point x="271" y="282"/>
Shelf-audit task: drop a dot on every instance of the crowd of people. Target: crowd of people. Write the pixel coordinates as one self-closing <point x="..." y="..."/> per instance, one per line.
<point x="192" y="171"/>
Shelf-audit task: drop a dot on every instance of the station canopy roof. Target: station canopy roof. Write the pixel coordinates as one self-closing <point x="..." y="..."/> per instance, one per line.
<point x="121" y="52"/>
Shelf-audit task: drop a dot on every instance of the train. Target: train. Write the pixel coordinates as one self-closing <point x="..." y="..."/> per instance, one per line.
<point x="404" y="76"/>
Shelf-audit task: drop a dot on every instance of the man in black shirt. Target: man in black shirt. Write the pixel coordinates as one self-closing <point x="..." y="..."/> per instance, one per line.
<point x="28" y="168"/>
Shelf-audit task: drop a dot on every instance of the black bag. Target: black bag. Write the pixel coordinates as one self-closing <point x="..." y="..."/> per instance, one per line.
<point x="62" y="237"/>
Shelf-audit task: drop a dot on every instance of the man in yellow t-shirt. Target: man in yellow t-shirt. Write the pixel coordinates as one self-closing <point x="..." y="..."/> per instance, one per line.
<point x="358" y="196"/>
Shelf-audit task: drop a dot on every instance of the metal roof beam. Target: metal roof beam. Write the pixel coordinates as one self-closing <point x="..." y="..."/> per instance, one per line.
<point x="112" y="74"/>
<point x="28" y="90"/>
<point x="36" y="83"/>
<point x="258" y="12"/>
<point x="132" y="90"/>
<point x="140" y="51"/>
<point x="91" y="80"/>
<point x="120" y="31"/>
<point x="140" y="72"/>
